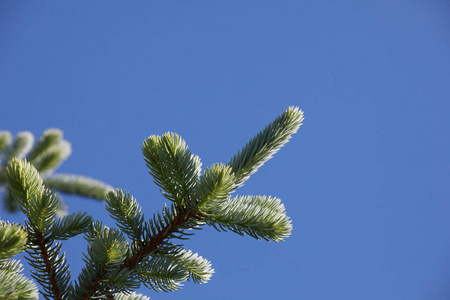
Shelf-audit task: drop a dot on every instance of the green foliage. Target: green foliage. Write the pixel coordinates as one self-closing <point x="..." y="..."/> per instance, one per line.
<point x="49" y="151"/>
<point x="69" y="226"/>
<point x="21" y="146"/>
<point x="47" y="154"/>
<point x="103" y="274"/>
<point x="140" y="251"/>
<point x="13" y="239"/>
<point x="216" y="184"/>
<point x="40" y="206"/>
<point x="13" y="285"/>
<point x="172" y="165"/>
<point x="126" y="211"/>
<point x="5" y="140"/>
<point x="265" y="144"/>
<point x="78" y="185"/>
<point x="261" y="217"/>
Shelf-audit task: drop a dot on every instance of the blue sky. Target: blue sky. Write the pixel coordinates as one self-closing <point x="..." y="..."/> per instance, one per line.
<point x="365" y="180"/>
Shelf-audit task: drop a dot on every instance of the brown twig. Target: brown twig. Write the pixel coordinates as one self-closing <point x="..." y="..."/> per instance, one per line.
<point x="39" y="241"/>
<point x="151" y="245"/>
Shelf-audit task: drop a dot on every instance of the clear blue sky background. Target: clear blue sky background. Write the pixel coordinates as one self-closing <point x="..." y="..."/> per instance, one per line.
<point x="365" y="180"/>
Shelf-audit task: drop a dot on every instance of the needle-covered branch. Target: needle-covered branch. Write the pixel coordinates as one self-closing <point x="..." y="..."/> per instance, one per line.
<point x="40" y="207"/>
<point x="13" y="239"/>
<point x="141" y="251"/>
<point x="5" y="140"/>
<point x="102" y="275"/>
<point x="127" y="213"/>
<point x="49" y="151"/>
<point x="261" y="217"/>
<point x="69" y="226"/>
<point x="21" y="146"/>
<point x="265" y="144"/>
<point x="46" y="155"/>
<point x="78" y="185"/>
<point x="13" y="284"/>
<point x="174" y="168"/>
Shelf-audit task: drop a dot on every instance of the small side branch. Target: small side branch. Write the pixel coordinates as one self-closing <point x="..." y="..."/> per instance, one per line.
<point x="40" y="242"/>
<point x="158" y="239"/>
<point x="150" y="246"/>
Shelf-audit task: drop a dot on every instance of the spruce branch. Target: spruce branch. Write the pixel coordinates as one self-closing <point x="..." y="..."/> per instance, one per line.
<point x="49" y="151"/>
<point x="174" y="168"/>
<point x="265" y="144"/>
<point x="116" y="266"/>
<point x="40" y="207"/>
<point x="127" y="213"/>
<point x="41" y="211"/>
<point x="24" y="181"/>
<point x="260" y="217"/>
<point x="170" y="224"/>
<point x="216" y="184"/>
<point x="166" y="271"/>
<point x="161" y="274"/>
<point x="206" y="199"/>
<point x="69" y="226"/>
<point x="52" y="157"/>
<point x="21" y="146"/>
<point x="149" y="250"/>
<point x="78" y="185"/>
<point x="102" y="275"/>
<point x="198" y="268"/>
<point x="5" y="140"/>
<point x="13" y="284"/>
<point x="49" y="138"/>
<point x="46" y="155"/>
<point x="13" y="239"/>
<point x="160" y="265"/>
<point x="50" y="266"/>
